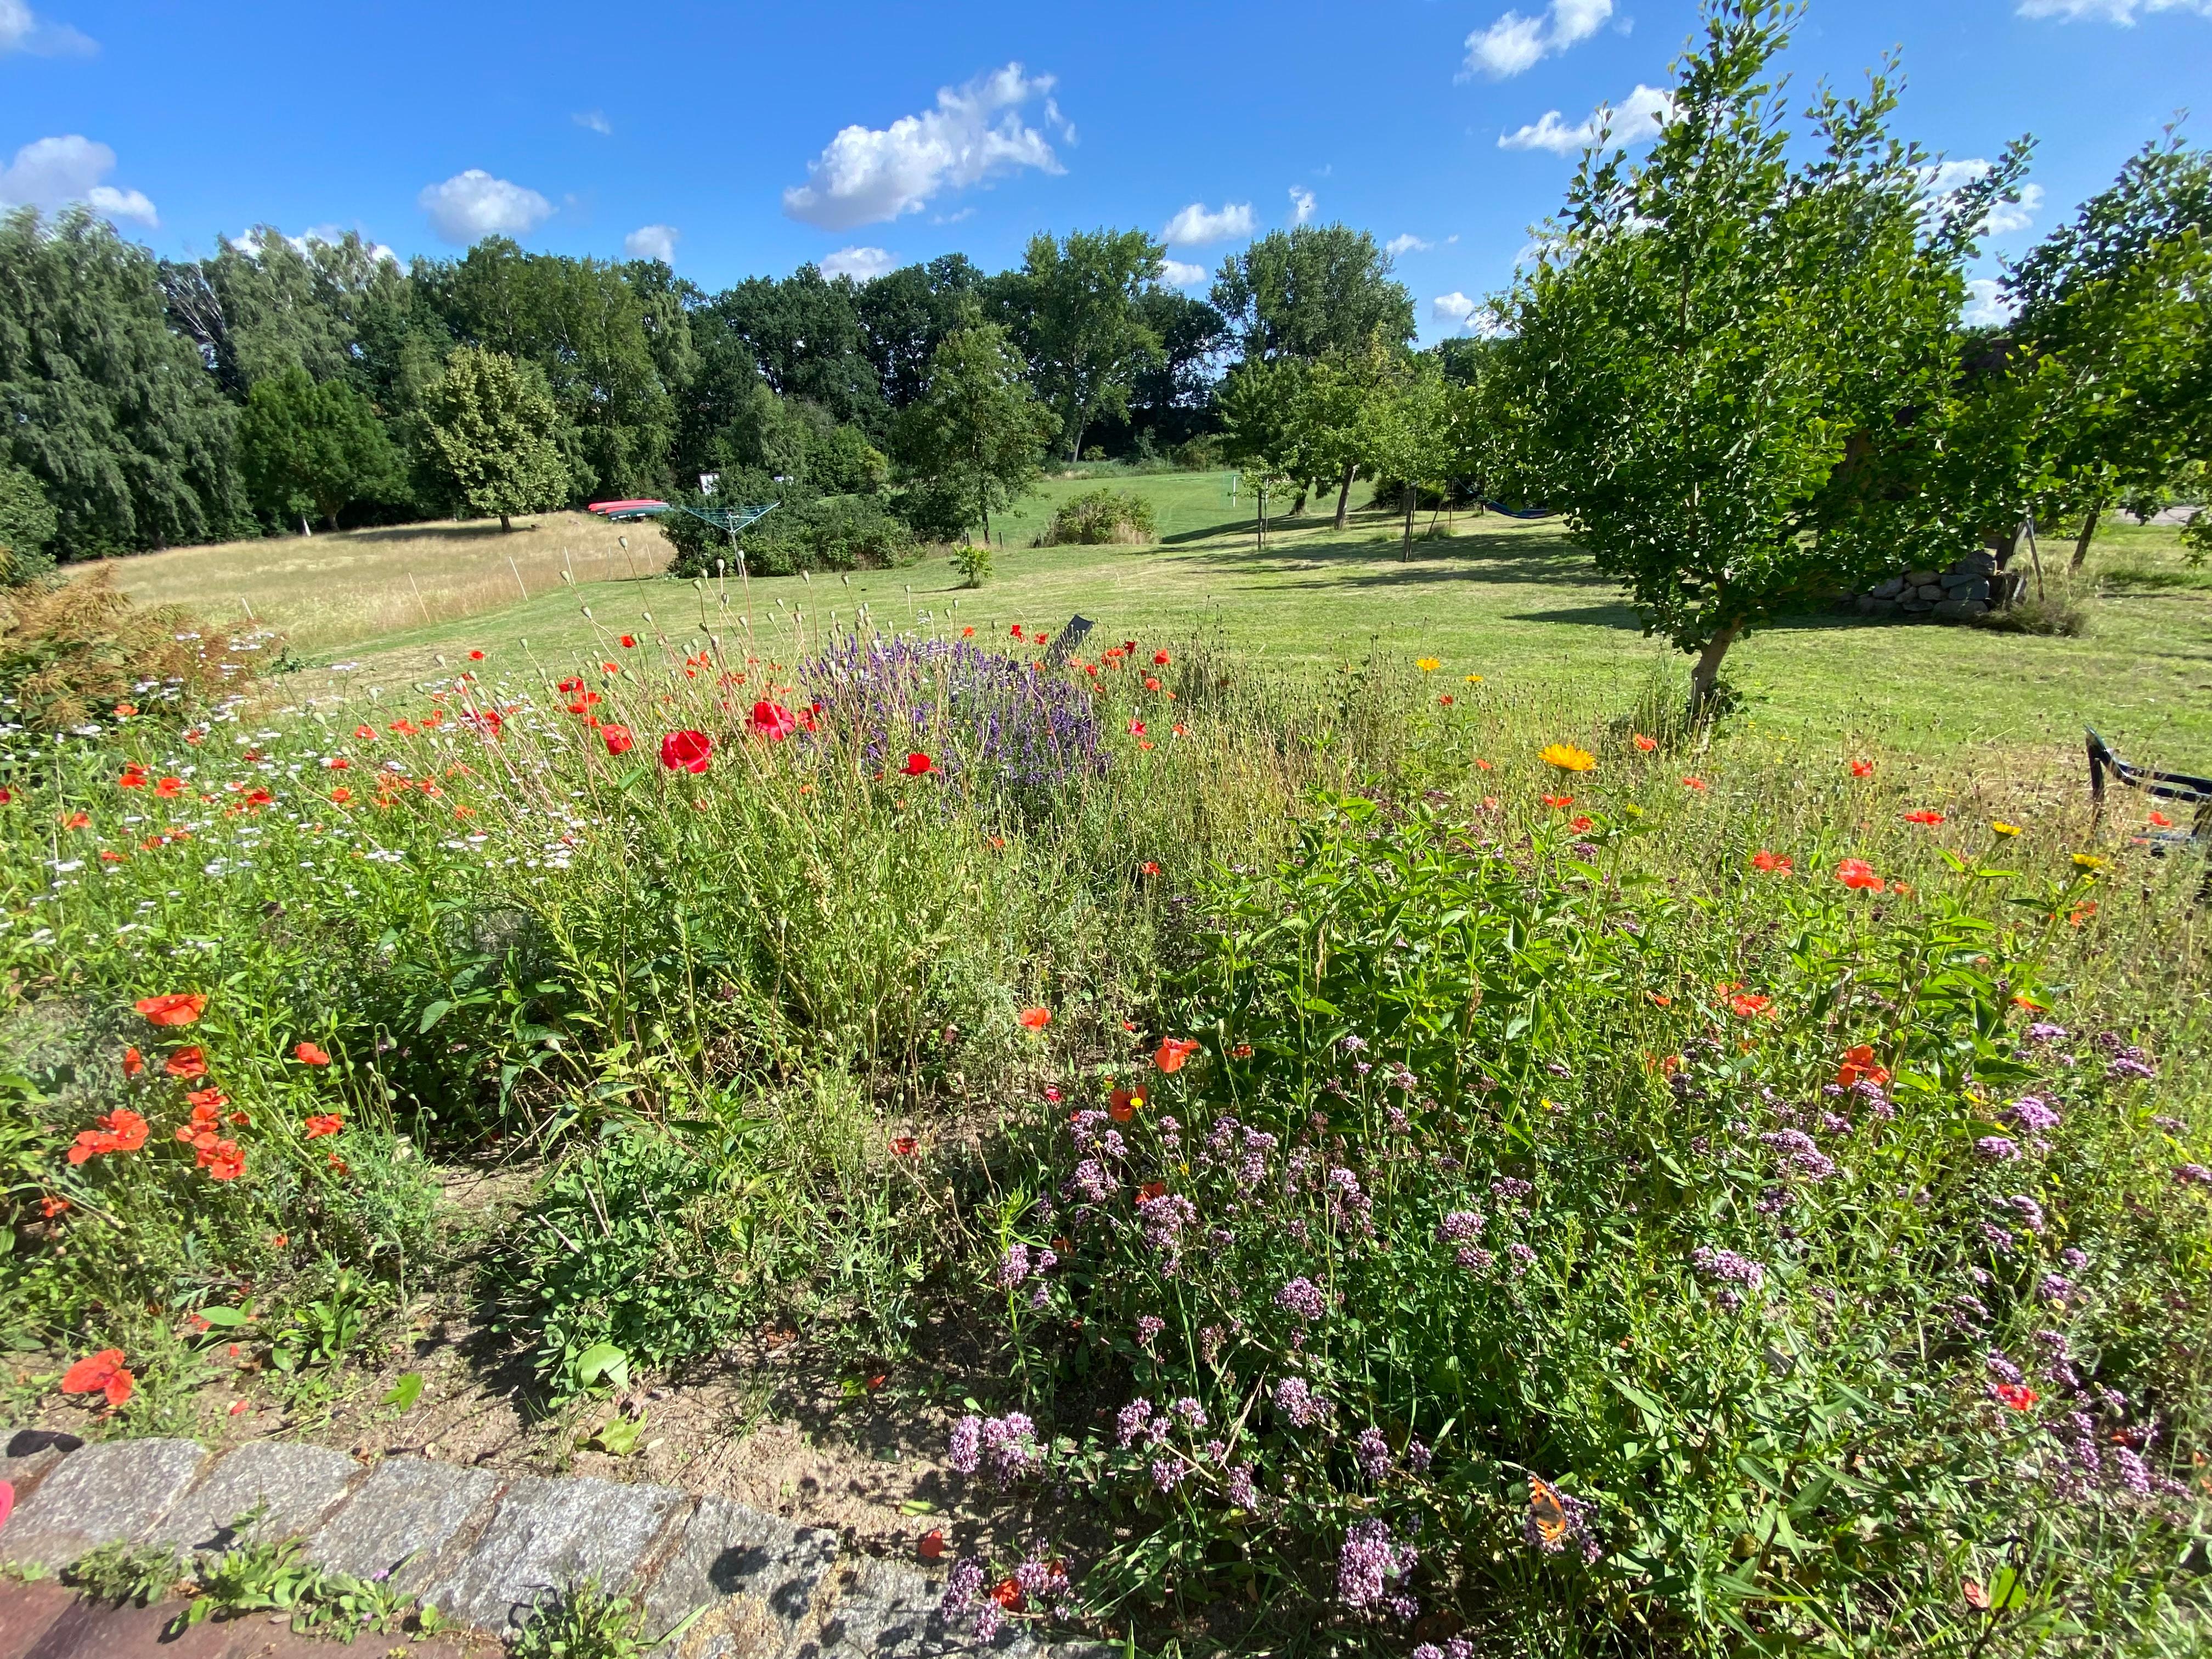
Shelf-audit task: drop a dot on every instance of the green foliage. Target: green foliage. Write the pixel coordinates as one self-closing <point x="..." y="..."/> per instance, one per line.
<point x="805" y="330"/>
<point x="113" y="414"/>
<point x="1075" y="311"/>
<point x="906" y="314"/>
<point x="1311" y="291"/>
<point x="585" y="1622"/>
<point x="976" y="440"/>
<point x="1099" y="518"/>
<point x="1725" y="369"/>
<point x="491" y="432"/>
<point x="307" y="448"/>
<point x="28" y="523"/>
<point x="971" y="562"/>
<point x="833" y="532"/>
<point x="124" y="1572"/>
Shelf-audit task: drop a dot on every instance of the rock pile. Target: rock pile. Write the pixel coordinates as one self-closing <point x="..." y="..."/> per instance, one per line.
<point x="1972" y="586"/>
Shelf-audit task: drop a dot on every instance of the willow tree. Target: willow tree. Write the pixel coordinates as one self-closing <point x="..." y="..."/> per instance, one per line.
<point x="1729" y="368"/>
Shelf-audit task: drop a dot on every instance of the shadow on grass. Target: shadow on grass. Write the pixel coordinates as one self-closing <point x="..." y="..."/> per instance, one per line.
<point x="444" y="532"/>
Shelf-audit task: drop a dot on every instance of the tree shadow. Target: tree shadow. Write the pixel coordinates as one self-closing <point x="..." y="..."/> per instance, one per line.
<point x="443" y="533"/>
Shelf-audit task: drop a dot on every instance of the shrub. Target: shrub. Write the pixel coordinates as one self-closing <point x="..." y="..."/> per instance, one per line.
<point x="1402" y="1295"/>
<point x="972" y="563"/>
<point x="28" y="523"/>
<point x="71" y="652"/>
<point x="1102" y="517"/>
<point x="828" y="533"/>
<point x="2058" y="616"/>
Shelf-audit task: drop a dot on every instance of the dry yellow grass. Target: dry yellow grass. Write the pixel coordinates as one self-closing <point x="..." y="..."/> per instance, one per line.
<point x="331" y="590"/>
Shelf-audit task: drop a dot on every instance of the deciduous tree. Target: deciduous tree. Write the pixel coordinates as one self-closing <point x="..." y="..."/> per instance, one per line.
<point x="1074" y="312"/>
<point x="312" y="449"/>
<point x="492" y="431"/>
<point x="977" y="436"/>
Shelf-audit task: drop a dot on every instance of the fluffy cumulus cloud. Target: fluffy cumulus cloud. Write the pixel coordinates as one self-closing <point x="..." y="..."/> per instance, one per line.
<point x="2122" y="12"/>
<point x="1514" y="43"/>
<point x="1198" y="224"/>
<point x="2004" y="217"/>
<point x="975" y="133"/>
<point x="862" y="264"/>
<point x="1175" y="273"/>
<point x="1408" y="243"/>
<point x="1455" y="308"/>
<point x="653" y="242"/>
<point x="1302" y="204"/>
<point x="1986" y="305"/>
<point x="51" y="173"/>
<point x="23" y="30"/>
<point x="472" y="205"/>
<point x="1636" y="121"/>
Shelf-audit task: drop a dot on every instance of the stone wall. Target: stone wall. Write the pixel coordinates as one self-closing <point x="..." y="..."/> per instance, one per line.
<point x="1970" y="588"/>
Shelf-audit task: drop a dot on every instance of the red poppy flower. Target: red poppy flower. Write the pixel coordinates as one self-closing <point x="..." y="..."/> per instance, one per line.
<point x="1160" y="659"/>
<point x="1034" y="1019"/>
<point x="904" y="1145"/>
<point x="125" y="1128"/>
<point x="186" y="1062"/>
<point x="1859" y="1066"/>
<point x="1122" y="1105"/>
<point x="1745" y="1006"/>
<point x="1148" y="868"/>
<point x="1559" y="803"/>
<point x="1693" y="783"/>
<point x="132" y="779"/>
<point x="210" y="1100"/>
<point x="133" y="1062"/>
<point x="77" y="820"/>
<point x="1647" y="744"/>
<point x="1007" y="1593"/>
<point x="617" y="739"/>
<point x="1772" y="863"/>
<point x="172" y="1008"/>
<point x="1153" y="1189"/>
<point x="919" y="765"/>
<point x="1136" y="728"/>
<point x="931" y="1547"/>
<point x="169" y="788"/>
<point x="51" y="1206"/>
<point x="309" y="1053"/>
<point x="1015" y="632"/>
<point x="2016" y="1396"/>
<point x="324" y="1123"/>
<point x="629" y="642"/>
<point x="1924" y="816"/>
<point x="772" y="721"/>
<point x="6" y="796"/>
<point x="1861" y="768"/>
<point x="1857" y="873"/>
<point x="1578" y="825"/>
<point x="365" y="733"/>
<point x="101" y="1373"/>
<point x="1171" y="1053"/>
<point x="686" y="751"/>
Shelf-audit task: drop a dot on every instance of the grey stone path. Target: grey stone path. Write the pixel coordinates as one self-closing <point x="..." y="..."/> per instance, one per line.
<point x="484" y="1548"/>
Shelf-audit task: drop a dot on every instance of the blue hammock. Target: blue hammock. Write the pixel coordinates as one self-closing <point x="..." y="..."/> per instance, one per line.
<point x="1518" y="513"/>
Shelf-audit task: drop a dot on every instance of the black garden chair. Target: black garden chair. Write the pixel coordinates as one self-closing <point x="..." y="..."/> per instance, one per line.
<point x="2180" y="787"/>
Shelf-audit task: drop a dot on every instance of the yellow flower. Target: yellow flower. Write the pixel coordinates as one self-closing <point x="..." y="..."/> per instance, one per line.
<point x="1474" y="679"/>
<point x="1427" y="665"/>
<point x="2088" y="861"/>
<point x="2003" y="829"/>
<point x="1567" y="757"/>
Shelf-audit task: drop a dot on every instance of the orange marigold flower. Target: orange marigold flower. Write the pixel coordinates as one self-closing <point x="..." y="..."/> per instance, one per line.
<point x="1566" y="757"/>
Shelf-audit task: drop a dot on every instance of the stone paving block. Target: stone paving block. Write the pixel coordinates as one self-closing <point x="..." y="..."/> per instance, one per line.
<point x="409" y="1510"/>
<point x="119" y="1489"/>
<point x="549" y="1534"/>
<point x="300" y="1485"/>
<point x="756" y="1575"/>
<point x="884" y="1610"/>
<point x="29" y="1455"/>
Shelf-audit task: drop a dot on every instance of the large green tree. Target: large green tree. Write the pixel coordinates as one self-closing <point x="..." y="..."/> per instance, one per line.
<point x="313" y="448"/>
<point x="805" y="335"/>
<point x="115" y="415"/>
<point x="1073" y="308"/>
<point x="905" y="315"/>
<point x="1729" y="369"/>
<point x="1311" y="291"/>
<point x="492" y="432"/>
<point x="26" y="524"/>
<point x="2114" y="335"/>
<point x="976" y="438"/>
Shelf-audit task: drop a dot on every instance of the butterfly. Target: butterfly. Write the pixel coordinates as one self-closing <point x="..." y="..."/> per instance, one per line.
<point x="1546" y="1513"/>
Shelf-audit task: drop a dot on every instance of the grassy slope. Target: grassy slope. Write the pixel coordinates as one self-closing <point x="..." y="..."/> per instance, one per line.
<point x="1513" y="602"/>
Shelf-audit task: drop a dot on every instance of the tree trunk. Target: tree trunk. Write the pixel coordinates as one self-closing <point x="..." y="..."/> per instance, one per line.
<point x="1704" y="677"/>
<point x="2089" y="529"/>
<point x="331" y="521"/>
<point x="987" y="530"/>
<point x="304" y="529"/>
<point x="1410" y="499"/>
<point x="1343" y="494"/>
<point x="506" y="522"/>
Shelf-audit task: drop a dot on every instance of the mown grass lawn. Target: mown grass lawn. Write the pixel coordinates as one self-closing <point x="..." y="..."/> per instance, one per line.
<point x="1512" y="601"/>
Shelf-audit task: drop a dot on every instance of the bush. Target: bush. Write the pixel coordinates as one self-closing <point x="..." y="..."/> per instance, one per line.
<point x="828" y="532"/>
<point x="2058" y="616"/>
<point x="28" y="522"/>
<point x="1100" y="517"/>
<point x="972" y="561"/>
<point x="78" y="651"/>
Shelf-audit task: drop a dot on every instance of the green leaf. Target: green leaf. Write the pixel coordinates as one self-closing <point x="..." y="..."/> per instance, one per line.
<point x="618" y="1436"/>
<point x="603" y="1361"/>
<point x="431" y="1014"/>
<point x="405" y="1392"/>
<point x="225" y="1318"/>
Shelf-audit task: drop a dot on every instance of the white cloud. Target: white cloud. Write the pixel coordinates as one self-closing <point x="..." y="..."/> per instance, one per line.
<point x="330" y="235"/>
<point x="1514" y="43"/>
<point x="1636" y="120"/>
<point x="1197" y="224"/>
<point x="862" y="264"/>
<point x="653" y="242"/>
<point x="1986" y="306"/>
<point x="1174" y="273"/>
<point x="1453" y="307"/>
<point x="594" y="120"/>
<point x="1302" y="205"/>
<point x="2122" y="12"/>
<point x="471" y="205"/>
<point x="2004" y="218"/>
<point x="23" y="29"/>
<point x="50" y="173"/>
<point x="1408" y="243"/>
<point x="868" y="174"/>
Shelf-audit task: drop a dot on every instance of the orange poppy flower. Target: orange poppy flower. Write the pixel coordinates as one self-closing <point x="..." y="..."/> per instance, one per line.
<point x="1923" y="817"/>
<point x="133" y="1062"/>
<point x="1772" y="863"/>
<point x="186" y="1062"/>
<point x="931" y="1547"/>
<point x="132" y="778"/>
<point x="172" y="1007"/>
<point x="1746" y="1006"/>
<point x="1859" y="1066"/>
<point x="1861" y="768"/>
<point x="1173" y="1052"/>
<point x="1693" y="783"/>
<point x="1034" y="1019"/>
<point x="207" y="1100"/>
<point x="1857" y="873"/>
<point x="309" y="1053"/>
<point x="101" y="1373"/>
<point x="324" y="1123"/>
<point x="1647" y="744"/>
<point x="169" y="788"/>
<point x="1122" y="1105"/>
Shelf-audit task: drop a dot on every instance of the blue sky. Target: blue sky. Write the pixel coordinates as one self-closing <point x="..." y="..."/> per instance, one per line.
<point x="743" y="140"/>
